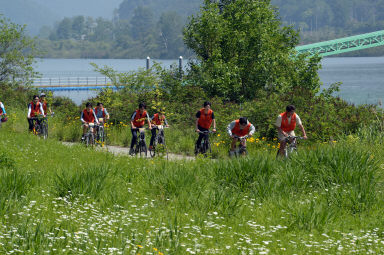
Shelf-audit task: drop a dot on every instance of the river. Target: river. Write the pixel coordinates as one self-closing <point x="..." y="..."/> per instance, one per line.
<point x="362" y="78"/>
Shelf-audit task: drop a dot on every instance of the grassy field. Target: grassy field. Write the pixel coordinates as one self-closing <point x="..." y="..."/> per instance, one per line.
<point x="73" y="200"/>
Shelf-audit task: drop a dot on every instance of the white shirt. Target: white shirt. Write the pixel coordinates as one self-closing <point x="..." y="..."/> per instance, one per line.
<point x="232" y="126"/>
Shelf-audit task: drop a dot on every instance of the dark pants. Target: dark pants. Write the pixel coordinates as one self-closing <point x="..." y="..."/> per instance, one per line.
<point x="30" y="122"/>
<point x="201" y="136"/>
<point x="153" y="131"/>
<point x="134" y="136"/>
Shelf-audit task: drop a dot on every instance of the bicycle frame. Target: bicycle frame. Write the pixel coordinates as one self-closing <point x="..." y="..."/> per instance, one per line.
<point x="291" y="145"/>
<point x="40" y="126"/>
<point x="141" y="146"/>
<point x="89" y="135"/>
<point x="205" y="145"/>
<point x="159" y="140"/>
<point x="241" y="149"/>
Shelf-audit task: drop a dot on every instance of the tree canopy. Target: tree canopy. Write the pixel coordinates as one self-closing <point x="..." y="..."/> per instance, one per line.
<point x="243" y="50"/>
<point x="17" y="52"/>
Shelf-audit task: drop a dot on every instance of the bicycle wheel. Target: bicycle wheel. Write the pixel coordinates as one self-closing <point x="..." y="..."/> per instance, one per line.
<point x="143" y="149"/>
<point x="87" y="138"/>
<point x="206" y="147"/>
<point x="37" y="129"/>
<point x="100" y="136"/>
<point x="44" y="130"/>
<point x="243" y="151"/>
<point x="161" y="148"/>
<point x="92" y="139"/>
<point x="291" y="150"/>
<point x="152" y="152"/>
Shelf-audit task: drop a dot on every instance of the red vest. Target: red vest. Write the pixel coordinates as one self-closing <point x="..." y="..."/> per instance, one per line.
<point x="241" y="132"/>
<point x="1" y="110"/>
<point x="157" y="120"/>
<point x="284" y="122"/>
<point x="205" y="120"/>
<point x="139" y="119"/>
<point x="97" y="109"/>
<point x="44" y="107"/>
<point x="35" y="109"/>
<point x="88" y="117"/>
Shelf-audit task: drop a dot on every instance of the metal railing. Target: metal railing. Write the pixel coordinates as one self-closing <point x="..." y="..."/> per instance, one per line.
<point x="71" y="82"/>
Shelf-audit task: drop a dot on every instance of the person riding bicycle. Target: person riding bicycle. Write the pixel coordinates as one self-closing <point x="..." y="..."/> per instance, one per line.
<point x="137" y="121"/>
<point x="204" y="119"/>
<point x="3" y="113"/>
<point x="286" y="123"/>
<point x="88" y="116"/>
<point x="239" y="128"/>
<point x="157" y="120"/>
<point x="45" y="104"/>
<point x="35" y="109"/>
<point x="101" y="112"/>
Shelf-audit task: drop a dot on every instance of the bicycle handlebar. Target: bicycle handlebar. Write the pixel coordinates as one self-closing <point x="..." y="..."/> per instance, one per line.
<point x="293" y="137"/>
<point x="159" y="126"/>
<point x="37" y="118"/>
<point x="205" y="132"/>
<point x="241" y="137"/>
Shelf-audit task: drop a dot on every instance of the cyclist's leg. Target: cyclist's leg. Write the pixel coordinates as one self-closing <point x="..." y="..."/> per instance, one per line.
<point x="153" y="131"/>
<point x="85" y="129"/>
<point x="233" y="144"/>
<point x="30" y="123"/>
<point x="134" y="137"/>
<point x="201" y="136"/>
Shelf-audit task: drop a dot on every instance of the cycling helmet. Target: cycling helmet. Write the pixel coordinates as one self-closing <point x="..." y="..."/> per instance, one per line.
<point x="42" y="95"/>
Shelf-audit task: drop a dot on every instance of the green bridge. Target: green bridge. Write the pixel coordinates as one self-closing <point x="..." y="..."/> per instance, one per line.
<point x="347" y="44"/>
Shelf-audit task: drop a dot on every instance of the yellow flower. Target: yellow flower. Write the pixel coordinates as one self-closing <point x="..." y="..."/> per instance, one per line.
<point x="218" y="134"/>
<point x="154" y="249"/>
<point x="139" y="246"/>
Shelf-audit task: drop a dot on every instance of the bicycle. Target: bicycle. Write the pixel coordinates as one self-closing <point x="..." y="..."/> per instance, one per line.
<point x="240" y="150"/>
<point x="159" y="147"/>
<point x="89" y="137"/>
<point x="100" y="133"/>
<point x="40" y="126"/>
<point x="141" y="146"/>
<point x="291" y="146"/>
<point x="205" y="146"/>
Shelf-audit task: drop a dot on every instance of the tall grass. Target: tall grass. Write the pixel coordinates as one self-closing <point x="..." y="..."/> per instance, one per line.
<point x="74" y="200"/>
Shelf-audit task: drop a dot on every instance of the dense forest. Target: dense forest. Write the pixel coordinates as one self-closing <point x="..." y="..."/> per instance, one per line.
<point x="154" y="27"/>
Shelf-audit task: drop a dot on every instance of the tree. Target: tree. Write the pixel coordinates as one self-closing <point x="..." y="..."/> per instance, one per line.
<point x="142" y="23"/>
<point x="78" y="27"/>
<point x="171" y="41"/>
<point x="64" y="30"/>
<point x="17" y="53"/>
<point x="243" y="50"/>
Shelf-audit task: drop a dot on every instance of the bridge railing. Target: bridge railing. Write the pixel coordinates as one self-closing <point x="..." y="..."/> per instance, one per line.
<point x="71" y="81"/>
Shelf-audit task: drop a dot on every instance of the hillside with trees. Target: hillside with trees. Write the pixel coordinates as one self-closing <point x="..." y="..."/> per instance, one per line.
<point x="148" y="27"/>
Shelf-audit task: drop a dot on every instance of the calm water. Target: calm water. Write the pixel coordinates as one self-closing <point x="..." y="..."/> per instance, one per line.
<point x="362" y="78"/>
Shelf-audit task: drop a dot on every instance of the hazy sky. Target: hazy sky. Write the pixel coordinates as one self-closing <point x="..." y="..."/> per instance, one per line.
<point x="36" y="13"/>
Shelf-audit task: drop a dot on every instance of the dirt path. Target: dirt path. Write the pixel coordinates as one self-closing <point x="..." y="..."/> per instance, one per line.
<point x="118" y="150"/>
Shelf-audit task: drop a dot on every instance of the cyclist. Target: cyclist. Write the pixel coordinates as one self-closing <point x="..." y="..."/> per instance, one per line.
<point x="157" y="119"/>
<point x="204" y="119"/>
<point x="45" y="104"/>
<point x="239" y="128"/>
<point x="88" y="116"/>
<point x="137" y="121"/>
<point x="35" y="108"/>
<point x="286" y="123"/>
<point x="101" y="112"/>
<point x="2" y="110"/>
